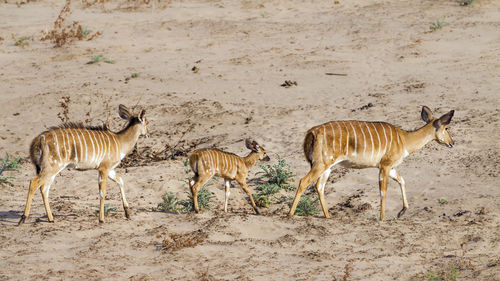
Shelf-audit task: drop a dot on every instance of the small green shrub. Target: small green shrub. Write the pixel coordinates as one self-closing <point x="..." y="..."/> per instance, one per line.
<point x="204" y="200"/>
<point x="449" y="274"/>
<point x="442" y="201"/>
<point x="8" y="165"/>
<point x="278" y="173"/>
<point x="21" y="41"/>
<point x="169" y="204"/>
<point x="98" y="58"/>
<point x="107" y="209"/>
<point x="466" y="3"/>
<point x="265" y="193"/>
<point x="437" y="25"/>
<point x="307" y="206"/>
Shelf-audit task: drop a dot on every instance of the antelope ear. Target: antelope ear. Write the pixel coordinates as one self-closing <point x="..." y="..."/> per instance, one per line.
<point x="141" y="115"/>
<point x="426" y="114"/>
<point x="124" y="112"/>
<point x="256" y="146"/>
<point x="248" y="144"/>
<point x="444" y="120"/>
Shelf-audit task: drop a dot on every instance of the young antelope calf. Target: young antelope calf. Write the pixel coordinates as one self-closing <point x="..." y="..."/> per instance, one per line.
<point x="205" y="163"/>
<point x="359" y="144"/>
<point x="83" y="148"/>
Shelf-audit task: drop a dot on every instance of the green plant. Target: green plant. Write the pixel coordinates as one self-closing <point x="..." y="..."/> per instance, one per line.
<point x="442" y="201"/>
<point x="307" y="206"/>
<point x="85" y="31"/>
<point x="204" y="200"/>
<point x="107" y="209"/>
<point x="169" y="204"/>
<point x="437" y="25"/>
<point x="98" y="58"/>
<point x="278" y="173"/>
<point x="466" y="2"/>
<point x="265" y="193"/>
<point x="134" y="75"/>
<point x="8" y="165"/>
<point x="264" y="15"/>
<point x="448" y="274"/>
<point x="21" y="41"/>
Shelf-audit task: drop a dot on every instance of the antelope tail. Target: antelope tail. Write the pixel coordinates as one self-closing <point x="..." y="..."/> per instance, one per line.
<point x="309" y="146"/>
<point x="36" y="152"/>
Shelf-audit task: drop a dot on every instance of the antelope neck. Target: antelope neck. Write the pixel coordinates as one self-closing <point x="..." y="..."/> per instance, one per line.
<point x="128" y="137"/>
<point x="251" y="158"/>
<point x="419" y="138"/>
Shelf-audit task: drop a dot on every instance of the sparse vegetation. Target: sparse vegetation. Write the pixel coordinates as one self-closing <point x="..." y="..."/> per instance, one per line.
<point x="307" y="206"/>
<point x="442" y="201"/>
<point x="134" y="75"/>
<point x="169" y="204"/>
<point x="107" y="209"/>
<point x="98" y="58"/>
<point x="21" y="41"/>
<point x="277" y="177"/>
<point x="449" y="274"/>
<point x="278" y="173"/>
<point x="437" y="25"/>
<point x="466" y="2"/>
<point x="176" y="241"/>
<point x="204" y="200"/>
<point x="8" y="165"/>
<point x="62" y="33"/>
<point x="64" y="104"/>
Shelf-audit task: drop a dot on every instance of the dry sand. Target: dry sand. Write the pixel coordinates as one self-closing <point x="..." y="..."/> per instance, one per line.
<point x="244" y="50"/>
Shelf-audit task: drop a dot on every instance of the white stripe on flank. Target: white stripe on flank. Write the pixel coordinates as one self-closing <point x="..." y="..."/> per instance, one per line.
<point x="91" y="156"/>
<point x="64" y="150"/>
<point x="105" y="146"/>
<point x="385" y="135"/>
<point x="324" y="140"/>
<point x="346" y="140"/>
<point x="96" y="151"/>
<point x="333" y="138"/>
<point x="378" y="137"/>
<point x="355" y="140"/>
<point x="80" y="145"/>
<point x="83" y="144"/>
<point x="57" y="145"/>
<point x="390" y="142"/>
<point x="340" y="137"/>
<point x="74" y="146"/>
<point x="371" y="138"/>
<point x="364" y="139"/>
<point x="108" y="145"/>
<point x="101" y="147"/>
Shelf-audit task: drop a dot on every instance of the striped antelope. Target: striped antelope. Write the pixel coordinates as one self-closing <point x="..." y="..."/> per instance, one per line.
<point x="83" y="148"/>
<point x="205" y="163"/>
<point x="358" y="144"/>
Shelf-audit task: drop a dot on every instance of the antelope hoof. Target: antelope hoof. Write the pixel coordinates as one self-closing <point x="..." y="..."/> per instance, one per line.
<point x="257" y="212"/>
<point x="402" y="212"/>
<point x="21" y="221"/>
<point x="51" y="221"/>
<point x="101" y="221"/>
<point x="327" y="216"/>
<point x="127" y="214"/>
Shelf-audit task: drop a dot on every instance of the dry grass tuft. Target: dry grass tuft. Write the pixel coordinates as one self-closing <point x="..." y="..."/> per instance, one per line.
<point x="175" y="241"/>
<point x="62" y="33"/>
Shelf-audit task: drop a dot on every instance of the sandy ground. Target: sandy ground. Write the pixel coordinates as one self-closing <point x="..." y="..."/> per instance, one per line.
<point x="244" y="51"/>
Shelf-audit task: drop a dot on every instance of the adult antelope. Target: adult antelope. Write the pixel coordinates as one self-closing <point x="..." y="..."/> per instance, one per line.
<point x="205" y="163"/>
<point x="83" y="148"/>
<point x="359" y="144"/>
